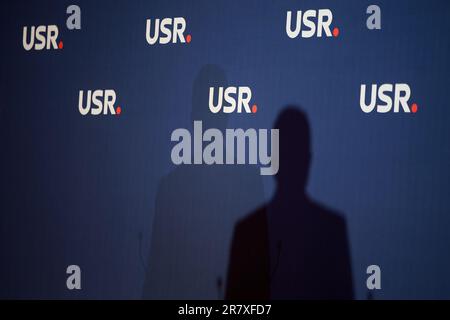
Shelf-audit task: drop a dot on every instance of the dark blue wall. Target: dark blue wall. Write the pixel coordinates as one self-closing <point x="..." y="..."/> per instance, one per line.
<point x="82" y="190"/>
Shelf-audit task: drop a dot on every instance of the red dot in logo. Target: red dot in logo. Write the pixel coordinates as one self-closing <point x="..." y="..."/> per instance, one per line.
<point x="254" y="108"/>
<point x="118" y="110"/>
<point x="414" y="107"/>
<point x="60" y="44"/>
<point x="335" y="32"/>
<point x="188" y="38"/>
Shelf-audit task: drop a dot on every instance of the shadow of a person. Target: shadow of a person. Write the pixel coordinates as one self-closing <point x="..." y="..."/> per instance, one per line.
<point x="291" y="248"/>
<point x="196" y="209"/>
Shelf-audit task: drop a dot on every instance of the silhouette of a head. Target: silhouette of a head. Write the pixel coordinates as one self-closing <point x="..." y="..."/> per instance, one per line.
<point x="209" y="76"/>
<point x="295" y="150"/>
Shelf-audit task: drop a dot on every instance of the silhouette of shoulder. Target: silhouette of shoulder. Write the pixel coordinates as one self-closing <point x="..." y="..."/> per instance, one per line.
<point x="330" y="219"/>
<point x="248" y="273"/>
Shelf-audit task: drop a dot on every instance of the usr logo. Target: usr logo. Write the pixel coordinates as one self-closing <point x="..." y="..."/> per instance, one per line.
<point x="98" y="102"/>
<point x="235" y="97"/>
<point x="382" y="93"/>
<point x="41" y="37"/>
<point x="171" y="29"/>
<point x="309" y="19"/>
<point x="46" y="36"/>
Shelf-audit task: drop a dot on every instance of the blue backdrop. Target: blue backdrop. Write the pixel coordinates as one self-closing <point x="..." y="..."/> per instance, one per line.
<point x="84" y="190"/>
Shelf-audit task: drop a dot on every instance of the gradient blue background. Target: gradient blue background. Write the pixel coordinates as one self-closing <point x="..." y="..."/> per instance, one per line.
<point x="80" y="190"/>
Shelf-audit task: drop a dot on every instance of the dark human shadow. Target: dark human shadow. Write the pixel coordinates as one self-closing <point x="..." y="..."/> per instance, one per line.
<point x="293" y="247"/>
<point x="196" y="209"/>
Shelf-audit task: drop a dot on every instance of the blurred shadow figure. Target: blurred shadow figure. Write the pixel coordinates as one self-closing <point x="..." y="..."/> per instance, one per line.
<point x="292" y="248"/>
<point x="196" y="209"/>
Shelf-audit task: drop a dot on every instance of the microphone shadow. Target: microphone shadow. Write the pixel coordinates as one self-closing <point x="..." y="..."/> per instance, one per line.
<point x="292" y="247"/>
